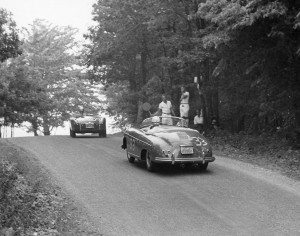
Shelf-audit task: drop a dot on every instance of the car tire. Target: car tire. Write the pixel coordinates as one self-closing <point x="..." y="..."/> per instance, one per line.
<point x="150" y="164"/>
<point x="131" y="159"/>
<point x="191" y="166"/>
<point x="72" y="133"/>
<point x="203" y="166"/>
<point x="102" y="134"/>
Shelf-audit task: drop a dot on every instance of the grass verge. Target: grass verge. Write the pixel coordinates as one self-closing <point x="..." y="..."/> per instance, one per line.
<point x="268" y="151"/>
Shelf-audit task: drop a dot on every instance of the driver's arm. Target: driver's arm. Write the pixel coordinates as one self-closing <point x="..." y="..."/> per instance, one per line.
<point x="157" y="113"/>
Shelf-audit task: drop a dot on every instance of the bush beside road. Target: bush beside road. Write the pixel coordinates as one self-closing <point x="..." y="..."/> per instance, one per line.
<point x="271" y="152"/>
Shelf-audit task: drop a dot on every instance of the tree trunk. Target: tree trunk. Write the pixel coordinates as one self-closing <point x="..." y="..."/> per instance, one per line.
<point x="201" y="105"/>
<point x="209" y="109"/>
<point x="140" y="112"/>
<point x="297" y="118"/>
<point x="241" y="123"/>
<point x="46" y="128"/>
<point x="143" y="68"/>
<point x="34" y="127"/>
<point x="215" y="103"/>
<point x="238" y="121"/>
<point x="12" y="130"/>
<point x="143" y="81"/>
<point x="204" y="110"/>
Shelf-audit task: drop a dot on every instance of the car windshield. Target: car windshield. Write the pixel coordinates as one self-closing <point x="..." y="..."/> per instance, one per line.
<point x="85" y="115"/>
<point x="164" y="120"/>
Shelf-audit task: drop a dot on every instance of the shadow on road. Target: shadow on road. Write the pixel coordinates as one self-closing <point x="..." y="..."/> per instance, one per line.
<point x="171" y="170"/>
<point x="88" y="136"/>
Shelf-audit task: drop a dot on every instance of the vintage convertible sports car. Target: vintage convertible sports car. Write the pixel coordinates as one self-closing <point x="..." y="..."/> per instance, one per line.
<point x="167" y="140"/>
<point x="87" y="124"/>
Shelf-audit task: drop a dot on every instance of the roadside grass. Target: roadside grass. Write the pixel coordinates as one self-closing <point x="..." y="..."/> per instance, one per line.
<point x="30" y="203"/>
<point x="270" y="151"/>
<point x="25" y="209"/>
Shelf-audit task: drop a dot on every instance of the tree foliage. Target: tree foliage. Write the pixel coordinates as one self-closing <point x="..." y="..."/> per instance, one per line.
<point x="46" y="83"/>
<point x="9" y="39"/>
<point x="245" y="55"/>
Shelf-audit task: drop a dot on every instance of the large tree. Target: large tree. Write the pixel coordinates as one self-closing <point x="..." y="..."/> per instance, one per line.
<point x="50" y="76"/>
<point x="119" y="51"/>
<point x="258" y="43"/>
<point x="244" y="53"/>
<point x="136" y="43"/>
<point x="9" y="39"/>
<point x="9" y="47"/>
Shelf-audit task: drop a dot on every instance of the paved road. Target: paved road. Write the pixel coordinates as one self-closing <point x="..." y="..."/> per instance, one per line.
<point x="230" y="198"/>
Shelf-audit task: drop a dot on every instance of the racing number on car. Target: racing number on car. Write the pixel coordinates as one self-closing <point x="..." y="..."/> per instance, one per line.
<point x="132" y="144"/>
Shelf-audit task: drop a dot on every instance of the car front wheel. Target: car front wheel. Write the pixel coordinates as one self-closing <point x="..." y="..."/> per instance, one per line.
<point x="102" y="134"/>
<point x="131" y="159"/>
<point x="149" y="163"/>
<point x="72" y="133"/>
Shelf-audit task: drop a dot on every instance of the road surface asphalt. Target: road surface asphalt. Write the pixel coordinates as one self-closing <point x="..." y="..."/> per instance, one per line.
<point x="230" y="198"/>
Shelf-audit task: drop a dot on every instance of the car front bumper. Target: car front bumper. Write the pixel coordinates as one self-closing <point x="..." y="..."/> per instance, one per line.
<point x="173" y="160"/>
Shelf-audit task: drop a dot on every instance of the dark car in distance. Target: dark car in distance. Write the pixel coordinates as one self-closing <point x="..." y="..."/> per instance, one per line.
<point x="87" y="123"/>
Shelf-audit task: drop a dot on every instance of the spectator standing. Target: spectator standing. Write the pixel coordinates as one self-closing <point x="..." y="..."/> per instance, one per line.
<point x="165" y="109"/>
<point x="214" y="123"/>
<point x="198" y="121"/>
<point x="184" y="104"/>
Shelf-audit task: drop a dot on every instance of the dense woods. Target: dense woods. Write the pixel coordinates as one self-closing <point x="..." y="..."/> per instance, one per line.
<point x="245" y="54"/>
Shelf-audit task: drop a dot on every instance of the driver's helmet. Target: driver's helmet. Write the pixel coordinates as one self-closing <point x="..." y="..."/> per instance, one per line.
<point x="155" y="120"/>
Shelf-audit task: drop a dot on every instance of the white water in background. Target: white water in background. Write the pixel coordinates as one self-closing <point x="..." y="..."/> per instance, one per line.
<point x="8" y="132"/>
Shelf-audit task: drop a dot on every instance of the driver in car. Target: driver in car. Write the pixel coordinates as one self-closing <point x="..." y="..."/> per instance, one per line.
<point x="155" y="125"/>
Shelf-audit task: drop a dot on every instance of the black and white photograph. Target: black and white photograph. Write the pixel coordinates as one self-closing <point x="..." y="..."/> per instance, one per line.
<point x="150" y="117"/>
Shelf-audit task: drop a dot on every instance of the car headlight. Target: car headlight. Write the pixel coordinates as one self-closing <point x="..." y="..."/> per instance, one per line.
<point x="167" y="153"/>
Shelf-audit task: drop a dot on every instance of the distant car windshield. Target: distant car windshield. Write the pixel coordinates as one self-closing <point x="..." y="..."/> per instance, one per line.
<point x="164" y="120"/>
<point x="85" y="114"/>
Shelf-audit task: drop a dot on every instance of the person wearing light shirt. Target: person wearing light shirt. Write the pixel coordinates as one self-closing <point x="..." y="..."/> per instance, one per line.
<point x="198" y="121"/>
<point x="184" y="103"/>
<point x="165" y="108"/>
